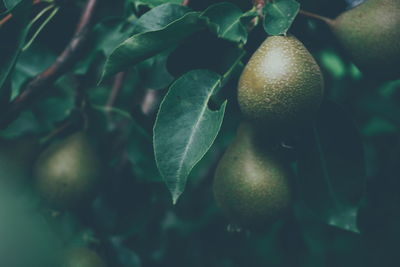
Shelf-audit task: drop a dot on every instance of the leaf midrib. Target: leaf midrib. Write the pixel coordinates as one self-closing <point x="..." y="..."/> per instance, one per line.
<point x="196" y="125"/>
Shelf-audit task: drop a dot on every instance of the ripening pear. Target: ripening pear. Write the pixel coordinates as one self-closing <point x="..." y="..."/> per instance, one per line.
<point x="67" y="172"/>
<point x="281" y="86"/>
<point x="252" y="183"/>
<point x="370" y="32"/>
<point x="82" y="257"/>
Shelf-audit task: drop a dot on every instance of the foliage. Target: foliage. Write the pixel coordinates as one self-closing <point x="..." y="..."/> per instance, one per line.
<point x="154" y="85"/>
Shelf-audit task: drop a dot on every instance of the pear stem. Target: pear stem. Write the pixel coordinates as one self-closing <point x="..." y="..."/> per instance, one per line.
<point x="316" y="16"/>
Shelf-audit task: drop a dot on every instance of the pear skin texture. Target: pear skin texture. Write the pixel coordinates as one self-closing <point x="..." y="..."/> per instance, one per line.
<point x="281" y="86"/>
<point x="251" y="184"/>
<point x="82" y="257"/>
<point x="370" y="33"/>
<point x="67" y="172"/>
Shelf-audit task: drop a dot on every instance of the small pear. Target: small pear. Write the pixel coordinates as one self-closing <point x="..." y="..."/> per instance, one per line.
<point x="82" y="257"/>
<point x="370" y="32"/>
<point x="67" y="172"/>
<point x="281" y="86"/>
<point x="252" y="183"/>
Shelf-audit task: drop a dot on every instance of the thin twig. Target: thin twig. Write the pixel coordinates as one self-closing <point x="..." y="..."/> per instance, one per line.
<point x="56" y="132"/>
<point x="259" y="4"/>
<point x="116" y="88"/>
<point x="5" y="19"/>
<point x="63" y="63"/>
<point x="316" y="16"/>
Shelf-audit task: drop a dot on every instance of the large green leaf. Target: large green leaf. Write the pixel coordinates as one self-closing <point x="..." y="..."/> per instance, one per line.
<point x="145" y="45"/>
<point x="185" y="127"/>
<point x="159" y="17"/>
<point x="13" y="35"/>
<point x="332" y="168"/>
<point x="154" y="3"/>
<point x="225" y="19"/>
<point x="279" y="16"/>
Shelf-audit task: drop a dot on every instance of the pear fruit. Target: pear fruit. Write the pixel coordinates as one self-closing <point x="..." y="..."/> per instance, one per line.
<point x="370" y="32"/>
<point x="252" y="183"/>
<point x="281" y="86"/>
<point x="67" y="172"/>
<point x="82" y="257"/>
<point x="17" y="157"/>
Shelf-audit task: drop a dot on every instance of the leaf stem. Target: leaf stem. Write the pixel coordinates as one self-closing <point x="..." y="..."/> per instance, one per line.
<point x="41" y="27"/>
<point x="65" y="126"/>
<point x="316" y="16"/>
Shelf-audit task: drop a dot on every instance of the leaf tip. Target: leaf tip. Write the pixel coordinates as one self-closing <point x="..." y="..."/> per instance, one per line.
<point x="175" y="197"/>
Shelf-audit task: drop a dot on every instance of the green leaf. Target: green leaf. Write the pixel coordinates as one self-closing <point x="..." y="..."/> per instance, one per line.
<point x="154" y="73"/>
<point x="10" y="4"/>
<point x="26" y="123"/>
<point x="279" y="16"/>
<point x="332" y="169"/>
<point x="225" y="20"/>
<point x="185" y="127"/>
<point x="109" y="33"/>
<point x="13" y="35"/>
<point x="30" y="63"/>
<point x="154" y="3"/>
<point x="145" y="45"/>
<point x="56" y="106"/>
<point x="159" y="17"/>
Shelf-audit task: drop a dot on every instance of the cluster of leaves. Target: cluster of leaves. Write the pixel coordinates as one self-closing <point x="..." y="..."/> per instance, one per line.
<point x="192" y="56"/>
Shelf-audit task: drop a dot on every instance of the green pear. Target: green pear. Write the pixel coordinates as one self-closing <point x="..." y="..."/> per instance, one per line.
<point x="281" y="86"/>
<point x="252" y="182"/>
<point x="370" y="32"/>
<point x="82" y="257"/>
<point x="67" y="172"/>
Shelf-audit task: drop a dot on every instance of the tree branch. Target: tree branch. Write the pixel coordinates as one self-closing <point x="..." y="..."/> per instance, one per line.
<point x="62" y="64"/>
<point x="116" y="88"/>
<point x="259" y="4"/>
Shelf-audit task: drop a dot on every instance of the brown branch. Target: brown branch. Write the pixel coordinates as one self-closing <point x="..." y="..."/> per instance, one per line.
<point x="259" y="4"/>
<point x="316" y="16"/>
<point x="116" y="88"/>
<point x="63" y="63"/>
<point x="56" y="132"/>
<point x="9" y="16"/>
<point x="185" y="2"/>
<point x="5" y="19"/>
